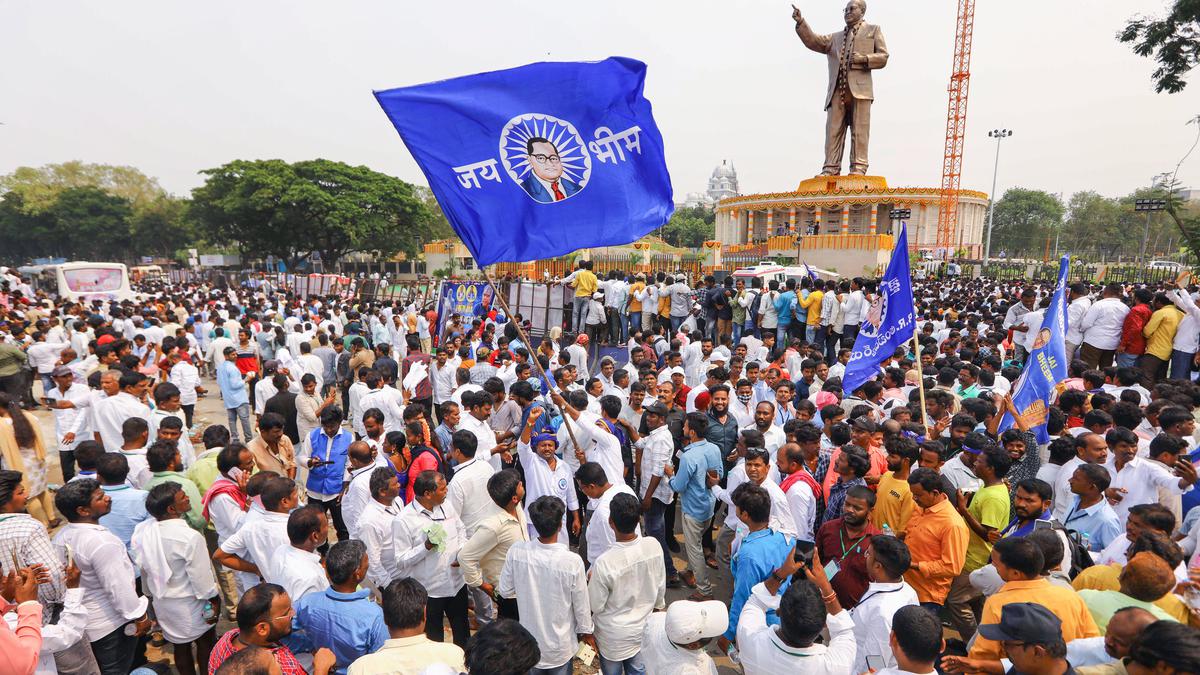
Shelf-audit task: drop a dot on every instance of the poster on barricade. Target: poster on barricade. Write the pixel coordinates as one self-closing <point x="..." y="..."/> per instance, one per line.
<point x="468" y="299"/>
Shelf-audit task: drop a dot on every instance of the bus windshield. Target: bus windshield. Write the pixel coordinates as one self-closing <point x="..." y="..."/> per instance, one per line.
<point x="93" y="279"/>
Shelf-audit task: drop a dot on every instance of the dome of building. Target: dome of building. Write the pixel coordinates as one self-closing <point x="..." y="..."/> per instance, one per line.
<point x="724" y="182"/>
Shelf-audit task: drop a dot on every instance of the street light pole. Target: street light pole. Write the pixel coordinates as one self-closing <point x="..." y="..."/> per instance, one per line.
<point x="997" y="134"/>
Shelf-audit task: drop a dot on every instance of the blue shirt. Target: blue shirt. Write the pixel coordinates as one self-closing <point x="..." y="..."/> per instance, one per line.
<point x="760" y="554"/>
<point x="349" y="624"/>
<point x="233" y="388"/>
<point x="697" y="459"/>
<point x="1098" y="521"/>
<point x="128" y="509"/>
<point x="783" y="307"/>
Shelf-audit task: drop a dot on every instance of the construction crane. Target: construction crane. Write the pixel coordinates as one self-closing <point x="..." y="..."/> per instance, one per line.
<point x="956" y="124"/>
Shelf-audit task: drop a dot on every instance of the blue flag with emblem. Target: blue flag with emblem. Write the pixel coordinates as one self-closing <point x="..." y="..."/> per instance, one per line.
<point x="541" y="160"/>
<point x="889" y="321"/>
<point x="1046" y="365"/>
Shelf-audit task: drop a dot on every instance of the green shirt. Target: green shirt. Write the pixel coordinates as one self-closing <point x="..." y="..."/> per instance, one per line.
<point x="1103" y="604"/>
<point x="195" y="517"/>
<point x="203" y="473"/>
<point x="11" y="359"/>
<point x="990" y="507"/>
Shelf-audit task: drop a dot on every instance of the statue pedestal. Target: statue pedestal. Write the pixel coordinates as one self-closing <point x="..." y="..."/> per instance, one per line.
<point x="843" y="184"/>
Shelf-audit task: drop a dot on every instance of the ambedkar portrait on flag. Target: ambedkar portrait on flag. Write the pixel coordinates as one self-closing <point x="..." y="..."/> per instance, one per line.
<point x="545" y="156"/>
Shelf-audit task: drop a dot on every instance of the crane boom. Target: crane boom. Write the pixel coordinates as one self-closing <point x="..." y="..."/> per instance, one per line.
<point x="956" y="124"/>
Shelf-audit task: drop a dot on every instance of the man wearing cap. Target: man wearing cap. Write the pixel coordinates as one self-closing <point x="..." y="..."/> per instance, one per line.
<point x="1032" y="636"/>
<point x="673" y="641"/>
<point x="233" y="393"/>
<point x="68" y="399"/>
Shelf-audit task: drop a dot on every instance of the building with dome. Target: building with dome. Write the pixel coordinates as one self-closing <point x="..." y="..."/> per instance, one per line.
<point x="722" y="184"/>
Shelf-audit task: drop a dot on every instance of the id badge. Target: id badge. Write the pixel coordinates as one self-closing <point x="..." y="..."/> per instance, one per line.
<point x="831" y="569"/>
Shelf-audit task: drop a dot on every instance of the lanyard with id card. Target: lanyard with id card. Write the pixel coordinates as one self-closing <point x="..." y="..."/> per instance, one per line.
<point x="834" y="566"/>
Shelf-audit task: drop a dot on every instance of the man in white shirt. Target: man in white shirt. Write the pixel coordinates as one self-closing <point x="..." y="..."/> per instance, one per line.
<point x="428" y="536"/>
<point x="550" y="587"/>
<point x="627" y="583"/>
<point x="106" y="576"/>
<point x="468" y="494"/>
<point x="388" y="400"/>
<point x="916" y="643"/>
<point x="791" y="647"/>
<point x="545" y="473"/>
<point x="1101" y="327"/>
<point x="177" y="574"/>
<point x="250" y="549"/>
<point x="887" y="561"/>
<point x="477" y="407"/>
<point x="1138" y="480"/>
<point x="186" y="377"/>
<point x="657" y="448"/>
<point x="296" y="565"/>
<point x="109" y="414"/>
<point x="69" y="400"/>
<point x="43" y="356"/>
<point x="674" y="641"/>
<point x="1080" y="303"/>
<point x="375" y="528"/>
<point x="599" y="535"/>
<point x="361" y="458"/>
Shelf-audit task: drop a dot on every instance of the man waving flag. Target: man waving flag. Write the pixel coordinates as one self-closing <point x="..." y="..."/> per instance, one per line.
<point x="541" y="160"/>
<point x="889" y="322"/>
<point x="1046" y="365"/>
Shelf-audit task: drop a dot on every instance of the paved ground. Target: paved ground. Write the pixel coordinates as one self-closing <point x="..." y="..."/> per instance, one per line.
<point x="210" y="411"/>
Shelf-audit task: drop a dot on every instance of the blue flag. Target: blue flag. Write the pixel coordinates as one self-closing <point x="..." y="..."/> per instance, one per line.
<point x="889" y="322"/>
<point x="540" y="160"/>
<point x="811" y="275"/>
<point x="1046" y="365"/>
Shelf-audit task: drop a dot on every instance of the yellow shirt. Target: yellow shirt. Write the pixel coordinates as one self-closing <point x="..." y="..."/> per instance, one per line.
<point x="585" y="284"/>
<point x="989" y="506"/>
<point x="1160" y="332"/>
<point x="893" y="505"/>
<point x="1108" y="578"/>
<point x="1062" y="602"/>
<point x="937" y="540"/>
<point x="813" y="304"/>
<point x="635" y="305"/>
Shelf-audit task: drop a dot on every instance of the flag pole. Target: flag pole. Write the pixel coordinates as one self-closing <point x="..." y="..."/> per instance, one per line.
<point x="920" y="376"/>
<point x="525" y="339"/>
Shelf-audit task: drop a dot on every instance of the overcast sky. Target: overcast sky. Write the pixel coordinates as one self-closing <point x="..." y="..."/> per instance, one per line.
<point x="174" y="87"/>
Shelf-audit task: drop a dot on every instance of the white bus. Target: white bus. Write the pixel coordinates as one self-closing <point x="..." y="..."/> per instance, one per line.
<point x="87" y="281"/>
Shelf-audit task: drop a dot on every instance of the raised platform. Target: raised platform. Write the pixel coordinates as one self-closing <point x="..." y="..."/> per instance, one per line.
<point x="824" y="209"/>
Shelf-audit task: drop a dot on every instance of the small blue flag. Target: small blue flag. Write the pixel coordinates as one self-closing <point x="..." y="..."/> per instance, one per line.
<point x="811" y="275"/>
<point x="541" y="160"/>
<point x="889" y="322"/>
<point x="1046" y="365"/>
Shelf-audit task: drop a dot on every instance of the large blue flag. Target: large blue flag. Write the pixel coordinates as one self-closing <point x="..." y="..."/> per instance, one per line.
<point x="1046" y="365"/>
<point x="889" y="322"/>
<point x="540" y="160"/>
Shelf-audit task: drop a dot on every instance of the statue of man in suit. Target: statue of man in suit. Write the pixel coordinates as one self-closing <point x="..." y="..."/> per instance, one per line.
<point x="853" y="53"/>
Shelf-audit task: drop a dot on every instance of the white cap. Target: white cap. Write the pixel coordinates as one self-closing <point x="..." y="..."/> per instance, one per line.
<point x="689" y="621"/>
<point x="676" y="371"/>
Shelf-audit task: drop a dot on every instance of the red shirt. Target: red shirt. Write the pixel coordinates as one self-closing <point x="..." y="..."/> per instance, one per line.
<point x="1132" y="339"/>
<point x="226" y="647"/>
<point x="834" y="544"/>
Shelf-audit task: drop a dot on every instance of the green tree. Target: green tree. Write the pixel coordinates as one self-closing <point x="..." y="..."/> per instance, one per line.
<point x="689" y="227"/>
<point x="40" y="186"/>
<point x="439" y="225"/>
<point x="1023" y="219"/>
<point x="292" y="210"/>
<point x="87" y="222"/>
<point x="1173" y="41"/>
<point x="1096" y="220"/>
<point x="162" y="227"/>
<point x="24" y="234"/>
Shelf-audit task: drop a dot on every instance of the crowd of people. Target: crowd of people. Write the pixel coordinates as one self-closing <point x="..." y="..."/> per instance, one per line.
<point x="396" y="492"/>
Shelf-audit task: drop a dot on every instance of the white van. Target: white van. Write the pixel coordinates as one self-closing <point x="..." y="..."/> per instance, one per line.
<point x="87" y="281"/>
<point x="765" y="270"/>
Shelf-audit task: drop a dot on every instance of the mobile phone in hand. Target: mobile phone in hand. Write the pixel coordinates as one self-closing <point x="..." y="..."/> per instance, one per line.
<point x="803" y="552"/>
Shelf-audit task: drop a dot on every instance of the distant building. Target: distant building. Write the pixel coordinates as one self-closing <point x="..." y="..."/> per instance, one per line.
<point x="723" y="183"/>
<point x="1189" y="194"/>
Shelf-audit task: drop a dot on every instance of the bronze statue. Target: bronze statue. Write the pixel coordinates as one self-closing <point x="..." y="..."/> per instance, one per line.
<point x="848" y="101"/>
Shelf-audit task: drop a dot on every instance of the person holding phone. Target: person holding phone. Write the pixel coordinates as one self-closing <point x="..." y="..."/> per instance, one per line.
<point x="805" y="609"/>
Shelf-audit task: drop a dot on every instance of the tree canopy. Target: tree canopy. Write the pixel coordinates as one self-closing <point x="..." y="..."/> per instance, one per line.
<point x="1023" y="219"/>
<point x="293" y="210"/>
<point x="1172" y="40"/>
<point x="689" y="227"/>
<point x="39" y="187"/>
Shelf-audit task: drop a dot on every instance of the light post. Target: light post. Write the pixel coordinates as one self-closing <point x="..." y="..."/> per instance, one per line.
<point x="1149" y="206"/>
<point x="998" y="134"/>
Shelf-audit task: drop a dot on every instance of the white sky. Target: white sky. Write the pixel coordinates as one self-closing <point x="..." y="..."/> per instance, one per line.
<point x="173" y="87"/>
